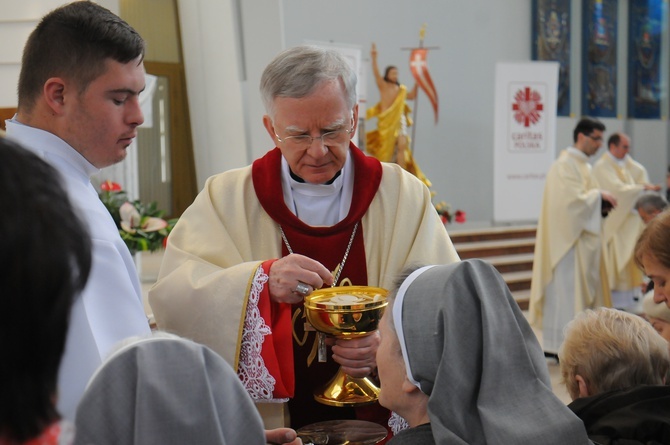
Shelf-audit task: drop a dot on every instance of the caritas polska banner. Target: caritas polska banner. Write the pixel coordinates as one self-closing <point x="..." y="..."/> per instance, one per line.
<point x="524" y="137"/>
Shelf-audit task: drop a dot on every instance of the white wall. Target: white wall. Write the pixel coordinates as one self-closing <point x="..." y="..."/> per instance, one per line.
<point x="456" y="154"/>
<point x="214" y="86"/>
<point x="471" y="36"/>
<point x="17" y="20"/>
<point x="649" y="146"/>
<point x="227" y="43"/>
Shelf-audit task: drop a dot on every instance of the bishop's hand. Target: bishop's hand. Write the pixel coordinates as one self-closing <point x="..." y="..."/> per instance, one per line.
<point x="356" y="356"/>
<point x="295" y="276"/>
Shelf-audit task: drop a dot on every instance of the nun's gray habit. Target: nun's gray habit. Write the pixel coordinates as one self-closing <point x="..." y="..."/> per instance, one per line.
<point x="167" y="391"/>
<point x="468" y="346"/>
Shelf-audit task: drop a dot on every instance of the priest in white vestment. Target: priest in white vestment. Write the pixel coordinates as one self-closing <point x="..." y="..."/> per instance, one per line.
<point x="79" y="124"/>
<point x="626" y="179"/>
<point x="568" y="276"/>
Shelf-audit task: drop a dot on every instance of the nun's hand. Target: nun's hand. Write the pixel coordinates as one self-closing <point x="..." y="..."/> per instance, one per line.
<point x="282" y="436"/>
<point x="357" y="355"/>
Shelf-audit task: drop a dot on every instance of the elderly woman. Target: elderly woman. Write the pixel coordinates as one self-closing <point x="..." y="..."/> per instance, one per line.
<point x="461" y="365"/>
<point x="613" y="365"/>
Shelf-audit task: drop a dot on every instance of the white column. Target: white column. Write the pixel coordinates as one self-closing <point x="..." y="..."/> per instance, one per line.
<point x="212" y="65"/>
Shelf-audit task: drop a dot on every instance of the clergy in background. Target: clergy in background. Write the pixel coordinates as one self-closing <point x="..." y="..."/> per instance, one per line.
<point x="314" y="211"/>
<point x="568" y="274"/>
<point x="625" y="178"/>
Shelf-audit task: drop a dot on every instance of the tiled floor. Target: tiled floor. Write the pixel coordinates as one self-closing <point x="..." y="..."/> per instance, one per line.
<point x="149" y="265"/>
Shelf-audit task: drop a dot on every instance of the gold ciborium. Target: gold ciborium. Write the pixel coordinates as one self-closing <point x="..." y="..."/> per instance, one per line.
<point x="346" y="312"/>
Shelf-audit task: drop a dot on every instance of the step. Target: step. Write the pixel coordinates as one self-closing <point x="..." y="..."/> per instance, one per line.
<point x="511" y="263"/>
<point x="491" y="233"/>
<point x="483" y="249"/>
<point x="522" y="298"/>
<point x="518" y="280"/>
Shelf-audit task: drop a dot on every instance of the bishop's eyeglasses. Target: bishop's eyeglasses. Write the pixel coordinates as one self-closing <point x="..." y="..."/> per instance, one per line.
<point x="335" y="137"/>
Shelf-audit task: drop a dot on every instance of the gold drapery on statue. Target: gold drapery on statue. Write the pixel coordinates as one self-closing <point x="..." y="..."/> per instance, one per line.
<point x="383" y="143"/>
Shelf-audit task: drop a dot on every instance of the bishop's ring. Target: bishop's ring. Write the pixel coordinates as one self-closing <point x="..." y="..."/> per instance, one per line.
<point x="301" y="288"/>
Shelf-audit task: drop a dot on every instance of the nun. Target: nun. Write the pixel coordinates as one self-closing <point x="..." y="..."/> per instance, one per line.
<point x="168" y="390"/>
<point x="459" y="364"/>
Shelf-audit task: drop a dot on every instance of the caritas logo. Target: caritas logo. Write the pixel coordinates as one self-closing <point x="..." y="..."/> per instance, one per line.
<point x="527" y="106"/>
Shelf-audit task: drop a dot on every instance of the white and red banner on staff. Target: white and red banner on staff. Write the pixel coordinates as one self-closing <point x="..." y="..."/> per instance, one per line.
<point x="419" y="68"/>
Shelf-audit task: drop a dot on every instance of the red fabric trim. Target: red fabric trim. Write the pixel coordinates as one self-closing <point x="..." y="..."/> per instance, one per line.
<point x="50" y="436"/>
<point x="279" y="342"/>
<point x="265" y="173"/>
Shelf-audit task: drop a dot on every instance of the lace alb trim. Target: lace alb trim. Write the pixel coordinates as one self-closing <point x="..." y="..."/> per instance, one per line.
<point x="252" y="371"/>
<point x="397" y="423"/>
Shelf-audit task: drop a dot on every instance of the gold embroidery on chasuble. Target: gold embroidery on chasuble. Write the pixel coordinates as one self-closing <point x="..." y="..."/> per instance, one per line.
<point x="625" y="175"/>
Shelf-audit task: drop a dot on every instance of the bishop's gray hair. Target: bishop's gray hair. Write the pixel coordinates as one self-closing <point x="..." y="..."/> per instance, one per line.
<point x="298" y="71"/>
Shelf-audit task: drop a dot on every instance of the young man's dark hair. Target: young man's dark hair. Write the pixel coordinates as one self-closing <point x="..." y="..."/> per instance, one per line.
<point x="586" y="126"/>
<point x="74" y="42"/>
<point x="45" y="258"/>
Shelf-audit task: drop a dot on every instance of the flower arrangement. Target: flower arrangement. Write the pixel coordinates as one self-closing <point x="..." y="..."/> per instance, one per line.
<point x="444" y="210"/>
<point x="141" y="226"/>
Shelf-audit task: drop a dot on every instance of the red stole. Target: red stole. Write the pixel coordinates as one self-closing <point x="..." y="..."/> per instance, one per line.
<point x="326" y="245"/>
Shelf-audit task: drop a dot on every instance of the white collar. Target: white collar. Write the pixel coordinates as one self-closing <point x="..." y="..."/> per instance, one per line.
<point x="577" y="152"/>
<point x="319" y="204"/>
<point x="620" y="162"/>
<point x="47" y="145"/>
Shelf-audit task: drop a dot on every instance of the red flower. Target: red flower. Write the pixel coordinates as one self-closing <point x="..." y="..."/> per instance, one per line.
<point x="444" y="219"/>
<point x="459" y="216"/>
<point x="109" y="186"/>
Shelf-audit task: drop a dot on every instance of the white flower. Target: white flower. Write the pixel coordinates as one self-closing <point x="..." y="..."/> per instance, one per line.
<point x="130" y="217"/>
<point x="131" y="220"/>
<point x="152" y="224"/>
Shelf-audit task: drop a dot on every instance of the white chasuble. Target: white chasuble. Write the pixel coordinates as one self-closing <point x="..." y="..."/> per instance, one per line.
<point x="623" y="225"/>
<point x="567" y="271"/>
